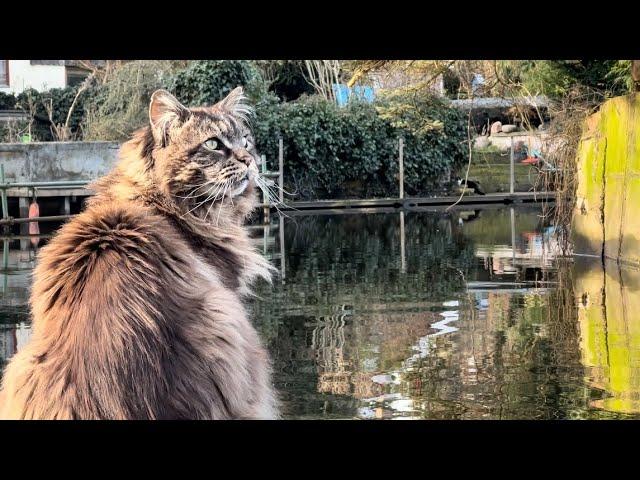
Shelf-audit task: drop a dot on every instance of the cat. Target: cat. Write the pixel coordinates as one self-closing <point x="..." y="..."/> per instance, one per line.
<point x="137" y="301"/>
<point x="470" y="184"/>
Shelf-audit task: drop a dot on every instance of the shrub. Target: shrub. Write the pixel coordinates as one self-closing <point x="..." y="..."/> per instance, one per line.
<point x="205" y="82"/>
<point x="326" y="148"/>
<point x="557" y="78"/>
<point x="435" y="136"/>
<point x="35" y="104"/>
<point x="286" y="78"/>
<point x="119" y="106"/>
<point x="7" y="101"/>
<point x="11" y="131"/>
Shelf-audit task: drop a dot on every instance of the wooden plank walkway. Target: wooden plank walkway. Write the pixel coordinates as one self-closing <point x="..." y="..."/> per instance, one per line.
<point x="414" y="203"/>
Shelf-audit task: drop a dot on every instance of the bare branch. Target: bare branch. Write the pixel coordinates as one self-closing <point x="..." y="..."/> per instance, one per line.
<point x="323" y="74"/>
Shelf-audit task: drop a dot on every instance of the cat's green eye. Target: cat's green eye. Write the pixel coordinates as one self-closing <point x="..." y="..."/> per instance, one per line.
<point x="212" y="144"/>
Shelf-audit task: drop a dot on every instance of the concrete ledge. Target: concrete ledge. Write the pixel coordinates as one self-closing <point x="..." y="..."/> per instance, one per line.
<point x="49" y="192"/>
<point x="57" y="161"/>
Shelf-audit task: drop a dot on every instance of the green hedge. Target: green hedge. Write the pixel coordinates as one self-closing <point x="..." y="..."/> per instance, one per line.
<point x="32" y="101"/>
<point x="333" y="152"/>
<point x="7" y="101"/>
<point x="61" y="100"/>
<point x="205" y="82"/>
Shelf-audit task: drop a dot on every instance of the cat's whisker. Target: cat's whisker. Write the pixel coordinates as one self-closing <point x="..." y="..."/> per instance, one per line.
<point x="221" y="203"/>
<point x="214" y="190"/>
<point x="192" y="194"/>
<point x="273" y="197"/>
<point x="275" y="186"/>
<point x="224" y="172"/>
<point x="210" y="206"/>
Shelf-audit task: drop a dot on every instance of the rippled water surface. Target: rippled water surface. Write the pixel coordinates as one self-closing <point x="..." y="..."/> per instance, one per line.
<point x="467" y="315"/>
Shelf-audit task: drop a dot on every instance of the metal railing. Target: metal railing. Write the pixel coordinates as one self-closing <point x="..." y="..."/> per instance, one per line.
<point x="8" y="220"/>
<point x="33" y="186"/>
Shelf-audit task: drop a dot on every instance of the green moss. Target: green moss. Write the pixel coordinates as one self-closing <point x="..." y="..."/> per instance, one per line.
<point x="608" y="160"/>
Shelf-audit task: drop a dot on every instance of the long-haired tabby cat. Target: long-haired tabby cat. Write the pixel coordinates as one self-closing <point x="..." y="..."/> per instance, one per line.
<point x="136" y="302"/>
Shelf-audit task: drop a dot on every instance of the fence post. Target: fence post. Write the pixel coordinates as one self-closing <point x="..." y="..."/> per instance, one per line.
<point x="281" y="170"/>
<point x="5" y="205"/>
<point x="282" y="249"/>
<point x="66" y="208"/>
<point x="401" y="161"/>
<point x="403" y="261"/>
<point x="265" y="197"/>
<point x="5" y="265"/>
<point x="513" y="235"/>
<point x="512" y="172"/>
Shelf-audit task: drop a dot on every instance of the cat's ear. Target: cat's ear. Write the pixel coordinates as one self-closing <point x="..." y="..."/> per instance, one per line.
<point x="235" y="103"/>
<point x="164" y="112"/>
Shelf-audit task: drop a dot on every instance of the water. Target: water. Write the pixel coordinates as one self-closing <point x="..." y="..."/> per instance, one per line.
<point x="425" y="315"/>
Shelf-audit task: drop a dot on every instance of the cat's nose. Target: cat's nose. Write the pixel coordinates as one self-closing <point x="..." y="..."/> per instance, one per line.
<point x="243" y="156"/>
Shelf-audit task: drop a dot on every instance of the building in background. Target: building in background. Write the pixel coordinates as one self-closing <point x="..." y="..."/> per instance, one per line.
<point x="19" y="75"/>
<point x="343" y="93"/>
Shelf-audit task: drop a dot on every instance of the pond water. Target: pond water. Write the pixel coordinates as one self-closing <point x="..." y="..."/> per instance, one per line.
<point x="468" y="315"/>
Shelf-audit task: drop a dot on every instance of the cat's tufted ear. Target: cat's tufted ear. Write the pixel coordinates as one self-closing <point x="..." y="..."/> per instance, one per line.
<point x="165" y="111"/>
<point x="235" y="103"/>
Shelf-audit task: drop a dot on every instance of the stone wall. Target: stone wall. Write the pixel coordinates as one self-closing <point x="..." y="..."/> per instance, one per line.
<point x="51" y="161"/>
<point x="607" y="211"/>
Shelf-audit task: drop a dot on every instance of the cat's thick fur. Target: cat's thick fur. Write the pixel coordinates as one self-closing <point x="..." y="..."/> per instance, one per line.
<point x="136" y="302"/>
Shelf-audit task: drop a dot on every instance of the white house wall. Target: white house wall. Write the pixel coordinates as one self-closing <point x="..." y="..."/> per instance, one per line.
<point x="23" y="75"/>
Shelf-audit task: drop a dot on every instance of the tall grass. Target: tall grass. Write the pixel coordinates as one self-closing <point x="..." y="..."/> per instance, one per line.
<point x="569" y="114"/>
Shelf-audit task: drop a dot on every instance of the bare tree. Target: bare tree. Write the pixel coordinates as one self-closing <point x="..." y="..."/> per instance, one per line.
<point x="362" y="67"/>
<point x="62" y="132"/>
<point x="269" y="69"/>
<point x="323" y="74"/>
<point x="101" y="71"/>
<point x="32" y="107"/>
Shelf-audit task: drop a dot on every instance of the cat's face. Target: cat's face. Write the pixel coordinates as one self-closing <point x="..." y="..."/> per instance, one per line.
<point x="205" y="158"/>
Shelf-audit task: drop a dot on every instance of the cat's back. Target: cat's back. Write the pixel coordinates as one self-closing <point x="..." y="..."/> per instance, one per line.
<point x="123" y="327"/>
<point x="96" y="314"/>
<point x="111" y="254"/>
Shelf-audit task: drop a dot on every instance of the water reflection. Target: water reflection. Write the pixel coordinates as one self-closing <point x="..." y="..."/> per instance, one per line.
<point x="472" y="316"/>
<point x="428" y="315"/>
<point x="608" y="305"/>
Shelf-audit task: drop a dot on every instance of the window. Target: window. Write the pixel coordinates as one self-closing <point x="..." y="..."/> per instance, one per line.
<point x="4" y="73"/>
<point x="75" y="75"/>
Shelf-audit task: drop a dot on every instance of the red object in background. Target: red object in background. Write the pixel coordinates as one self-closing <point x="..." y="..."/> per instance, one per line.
<point x="34" y="211"/>
<point x="530" y="160"/>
